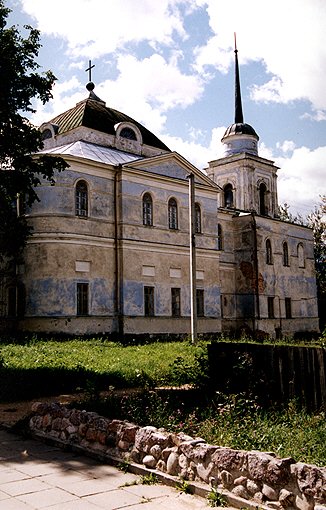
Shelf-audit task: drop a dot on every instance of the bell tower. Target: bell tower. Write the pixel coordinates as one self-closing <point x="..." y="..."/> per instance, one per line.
<point x="248" y="181"/>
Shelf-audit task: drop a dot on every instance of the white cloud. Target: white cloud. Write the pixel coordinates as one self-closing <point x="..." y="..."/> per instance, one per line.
<point x="198" y="154"/>
<point x="301" y="178"/>
<point x="97" y="27"/>
<point x="288" y="37"/>
<point x="147" y="89"/>
<point x="286" y="146"/>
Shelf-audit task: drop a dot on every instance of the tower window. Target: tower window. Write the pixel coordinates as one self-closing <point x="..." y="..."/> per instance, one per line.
<point x="285" y="255"/>
<point x="197" y="219"/>
<point x="262" y="200"/>
<point x="228" y="196"/>
<point x="175" y="302"/>
<point x="173" y="214"/>
<point x="269" y="255"/>
<point x="82" y="298"/>
<point x="149" y="301"/>
<point x="81" y="199"/>
<point x="147" y="210"/>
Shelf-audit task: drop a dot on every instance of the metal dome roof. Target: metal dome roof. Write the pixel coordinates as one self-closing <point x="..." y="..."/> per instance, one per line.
<point x="94" y="114"/>
<point x="240" y="128"/>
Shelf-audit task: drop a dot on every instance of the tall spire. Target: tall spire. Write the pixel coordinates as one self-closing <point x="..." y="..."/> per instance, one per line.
<point x="238" y="115"/>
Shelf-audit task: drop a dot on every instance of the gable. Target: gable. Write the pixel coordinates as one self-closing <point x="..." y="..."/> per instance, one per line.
<point x="173" y="166"/>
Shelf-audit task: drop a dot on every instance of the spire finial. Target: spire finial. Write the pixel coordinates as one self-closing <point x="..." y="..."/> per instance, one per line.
<point x="238" y="115"/>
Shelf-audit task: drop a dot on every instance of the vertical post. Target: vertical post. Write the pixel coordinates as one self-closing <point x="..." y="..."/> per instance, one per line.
<point x="192" y="246"/>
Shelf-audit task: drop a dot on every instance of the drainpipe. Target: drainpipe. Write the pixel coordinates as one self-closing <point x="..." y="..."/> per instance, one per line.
<point x="256" y="272"/>
<point x="118" y="254"/>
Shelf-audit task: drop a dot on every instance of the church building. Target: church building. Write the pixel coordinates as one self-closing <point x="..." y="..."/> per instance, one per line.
<point x="110" y="250"/>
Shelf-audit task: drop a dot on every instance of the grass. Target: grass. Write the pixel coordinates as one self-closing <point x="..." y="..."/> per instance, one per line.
<point x="49" y="367"/>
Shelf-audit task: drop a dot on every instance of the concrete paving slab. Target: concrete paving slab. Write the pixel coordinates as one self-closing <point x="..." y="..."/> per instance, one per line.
<point x="48" y="498"/>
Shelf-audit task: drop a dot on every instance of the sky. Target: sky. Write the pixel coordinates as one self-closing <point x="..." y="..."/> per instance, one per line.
<point x="169" y="64"/>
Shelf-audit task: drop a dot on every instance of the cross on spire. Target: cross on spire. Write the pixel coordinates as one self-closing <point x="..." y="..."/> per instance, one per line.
<point x="89" y="69"/>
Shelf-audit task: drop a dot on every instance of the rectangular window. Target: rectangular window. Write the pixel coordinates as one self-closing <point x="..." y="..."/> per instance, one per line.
<point x="149" y="301"/>
<point x="175" y="302"/>
<point x="82" y="298"/>
<point x="288" y="308"/>
<point x="270" y="304"/>
<point x="200" y="302"/>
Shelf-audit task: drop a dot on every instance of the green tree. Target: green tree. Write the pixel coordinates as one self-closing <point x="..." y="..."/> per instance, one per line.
<point x="20" y="171"/>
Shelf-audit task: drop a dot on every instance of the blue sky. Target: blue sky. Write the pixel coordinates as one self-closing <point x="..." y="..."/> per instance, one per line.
<point x="170" y="65"/>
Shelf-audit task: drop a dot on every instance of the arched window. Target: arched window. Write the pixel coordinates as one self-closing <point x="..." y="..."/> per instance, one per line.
<point x="147" y="210"/>
<point x="262" y="200"/>
<point x="301" y="255"/>
<point x="228" y="195"/>
<point x="81" y="199"/>
<point x="285" y="254"/>
<point x="173" y="214"/>
<point x="219" y="237"/>
<point x="269" y="255"/>
<point x="197" y="219"/>
<point x="128" y="133"/>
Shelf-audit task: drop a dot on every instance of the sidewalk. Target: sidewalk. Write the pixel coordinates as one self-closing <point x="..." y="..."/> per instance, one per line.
<point x="34" y="475"/>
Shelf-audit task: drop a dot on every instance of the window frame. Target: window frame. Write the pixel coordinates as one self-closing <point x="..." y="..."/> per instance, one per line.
<point x="285" y="254"/>
<point x="147" y="205"/>
<point x="149" y="301"/>
<point x="288" y="307"/>
<point x="263" y="209"/>
<point x="173" y="214"/>
<point x="81" y="199"/>
<point x="269" y="252"/>
<point x="219" y="237"/>
<point x="271" y="307"/>
<point x="200" y="302"/>
<point x="198" y="222"/>
<point x="227" y="195"/>
<point x="82" y="299"/>
<point x="175" y="302"/>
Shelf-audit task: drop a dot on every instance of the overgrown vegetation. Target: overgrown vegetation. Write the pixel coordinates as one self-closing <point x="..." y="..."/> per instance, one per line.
<point x="184" y="402"/>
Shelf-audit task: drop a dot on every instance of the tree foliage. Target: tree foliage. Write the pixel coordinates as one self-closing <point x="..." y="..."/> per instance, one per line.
<point x="20" y="171"/>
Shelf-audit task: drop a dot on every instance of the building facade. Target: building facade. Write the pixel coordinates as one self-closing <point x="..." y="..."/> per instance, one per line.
<point x="110" y="247"/>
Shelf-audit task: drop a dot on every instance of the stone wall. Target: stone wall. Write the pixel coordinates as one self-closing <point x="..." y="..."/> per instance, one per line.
<point x="260" y="478"/>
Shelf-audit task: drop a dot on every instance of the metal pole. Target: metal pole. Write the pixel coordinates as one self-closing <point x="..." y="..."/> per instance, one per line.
<point x="192" y="243"/>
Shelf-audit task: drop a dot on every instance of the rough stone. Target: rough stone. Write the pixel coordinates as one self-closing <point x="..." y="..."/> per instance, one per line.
<point x="231" y="460"/>
<point x="156" y="451"/>
<point x="252" y="487"/>
<point x="286" y="498"/>
<point x="149" y="461"/>
<point x="172" y="465"/>
<point x="197" y="452"/>
<point x="135" y="455"/>
<point x="226" y="478"/>
<point x="269" y="493"/>
<point x="241" y="491"/>
<point x="258" y="464"/>
<point x="161" y="465"/>
<point x="241" y="480"/>
<point x="304" y="502"/>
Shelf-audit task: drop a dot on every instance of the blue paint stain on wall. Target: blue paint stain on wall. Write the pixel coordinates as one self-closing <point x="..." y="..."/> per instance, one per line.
<point x="133" y="298"/>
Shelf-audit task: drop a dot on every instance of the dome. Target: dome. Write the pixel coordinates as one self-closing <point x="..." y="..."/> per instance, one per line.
<point x="92" y="113"/>
<point x="240" y="129"/>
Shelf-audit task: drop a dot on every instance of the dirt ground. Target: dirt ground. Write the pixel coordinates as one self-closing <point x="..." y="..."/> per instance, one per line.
<point x="12" y="412"/>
